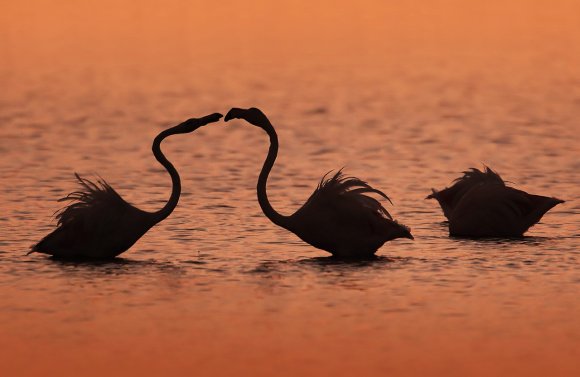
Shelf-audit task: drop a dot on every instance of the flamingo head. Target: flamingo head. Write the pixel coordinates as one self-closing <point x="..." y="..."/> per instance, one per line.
<point x="252" y="115"/>
<point x="193" y="124"/>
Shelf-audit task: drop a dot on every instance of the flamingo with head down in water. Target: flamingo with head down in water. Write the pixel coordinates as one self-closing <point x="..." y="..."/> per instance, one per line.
<point x="480" y="204"/>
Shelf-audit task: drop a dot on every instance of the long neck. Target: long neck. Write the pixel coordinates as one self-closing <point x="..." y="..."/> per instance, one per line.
<point x="175" y="180"/>
<point x="270" y="212"/>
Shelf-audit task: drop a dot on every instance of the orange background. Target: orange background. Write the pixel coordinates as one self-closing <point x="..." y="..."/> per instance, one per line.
<point x="32" y="32"/>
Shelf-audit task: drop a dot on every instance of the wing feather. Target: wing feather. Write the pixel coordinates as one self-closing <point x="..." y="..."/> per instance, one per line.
<point x="91" y="218"/>
<point x="348" y="189"/>
<point x="449" y="197"/>
<point x="89" y="200"/>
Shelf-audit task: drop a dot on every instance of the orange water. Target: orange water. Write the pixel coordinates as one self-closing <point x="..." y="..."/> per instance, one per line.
<point x="404" y="96"/>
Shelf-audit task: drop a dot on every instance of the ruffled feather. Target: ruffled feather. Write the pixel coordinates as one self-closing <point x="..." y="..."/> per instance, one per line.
<point x="92" y="196"/>
<point x="350" y="188"/>
<point x="95" y="213"/>
<point x="474" y="176"/>
<point x="470" y="178"/>
<point x="450" y="196"/>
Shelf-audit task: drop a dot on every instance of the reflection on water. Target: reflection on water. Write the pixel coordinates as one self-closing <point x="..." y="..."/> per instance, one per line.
<point x="217" y="288"/>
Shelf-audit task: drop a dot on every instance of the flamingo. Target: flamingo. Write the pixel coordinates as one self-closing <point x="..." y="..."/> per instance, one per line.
<point x="99" y="223"/>
<point x="338" y="217"/>
<point x="480" y="204"/>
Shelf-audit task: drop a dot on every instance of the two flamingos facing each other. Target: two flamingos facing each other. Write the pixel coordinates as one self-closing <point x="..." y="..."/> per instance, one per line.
<point x="99" y="223"/>
<point x="480" y="204"/>
<point x="338" y="217"/>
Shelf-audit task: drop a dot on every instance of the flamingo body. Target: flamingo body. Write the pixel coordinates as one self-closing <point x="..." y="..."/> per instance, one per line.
<point x="480" y="204"/>
<point x="98" y="224"/>
<point x="338" y="217"/>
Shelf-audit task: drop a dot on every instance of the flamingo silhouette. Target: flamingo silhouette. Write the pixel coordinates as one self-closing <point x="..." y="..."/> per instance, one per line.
<point x="99" y="223"/>
<point x="480" y="204"/>
<point x="338" y="217"/>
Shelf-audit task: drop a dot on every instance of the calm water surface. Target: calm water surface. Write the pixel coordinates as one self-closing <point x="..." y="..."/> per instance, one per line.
<point x="216" y="289"/>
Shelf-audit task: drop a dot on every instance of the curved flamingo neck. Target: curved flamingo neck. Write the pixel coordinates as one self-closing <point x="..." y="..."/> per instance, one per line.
<point x="175" y="180"/>
<point x="267" y="208"/>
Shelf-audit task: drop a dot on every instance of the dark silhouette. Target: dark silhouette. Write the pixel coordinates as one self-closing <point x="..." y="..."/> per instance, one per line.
<point x="99" y="223"/>
<point x="480" y="204"/>
<point x="338" y="217"/>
